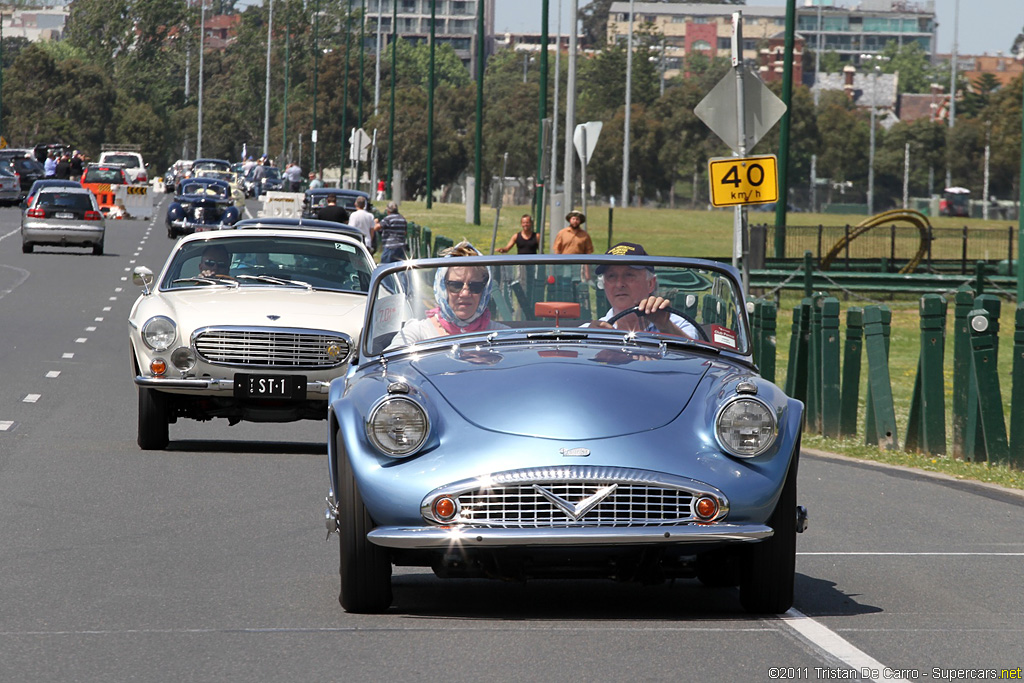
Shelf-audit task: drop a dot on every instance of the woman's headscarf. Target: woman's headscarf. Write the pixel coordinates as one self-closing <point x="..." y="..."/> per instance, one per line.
<point x="481" y="317"/>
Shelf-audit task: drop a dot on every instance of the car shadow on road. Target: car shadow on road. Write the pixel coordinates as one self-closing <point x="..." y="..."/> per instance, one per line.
<point x="821" y="598"/>
<point x="256" y="447"/>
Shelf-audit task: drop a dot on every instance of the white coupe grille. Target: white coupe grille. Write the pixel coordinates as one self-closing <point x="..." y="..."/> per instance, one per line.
<point x="272" y="348"/>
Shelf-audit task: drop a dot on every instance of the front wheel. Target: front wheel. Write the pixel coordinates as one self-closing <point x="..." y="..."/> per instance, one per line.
<point x="154" y="433"/>
<point x="365" y="567"/>
<point x="766" y="583"/>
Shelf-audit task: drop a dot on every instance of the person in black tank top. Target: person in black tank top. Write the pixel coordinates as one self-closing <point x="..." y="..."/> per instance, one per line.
<point x="525" y="241"/>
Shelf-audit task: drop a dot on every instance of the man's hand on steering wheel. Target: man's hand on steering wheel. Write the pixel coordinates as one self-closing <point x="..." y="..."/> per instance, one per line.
<point x="658" y="309"/>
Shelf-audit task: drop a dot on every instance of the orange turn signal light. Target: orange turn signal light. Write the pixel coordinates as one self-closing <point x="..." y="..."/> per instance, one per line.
<point x="706" y="508"/>
<point x="158" y="366"/>
<point x="444" y="508"/>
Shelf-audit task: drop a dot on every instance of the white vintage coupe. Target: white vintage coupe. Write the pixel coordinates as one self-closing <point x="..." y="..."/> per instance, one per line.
<point x="246" y="325"/>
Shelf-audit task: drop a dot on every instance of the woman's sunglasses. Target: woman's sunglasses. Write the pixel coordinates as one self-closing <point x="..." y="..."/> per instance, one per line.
<point x="455" y="286"/>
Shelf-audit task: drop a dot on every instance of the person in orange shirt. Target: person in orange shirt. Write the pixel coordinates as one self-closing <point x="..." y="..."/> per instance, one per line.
<point x="574" y="239"/>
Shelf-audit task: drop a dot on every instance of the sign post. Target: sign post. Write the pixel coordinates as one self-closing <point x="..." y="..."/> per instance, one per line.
<point x="584" y="138"/>
<point x="740" y="109"/>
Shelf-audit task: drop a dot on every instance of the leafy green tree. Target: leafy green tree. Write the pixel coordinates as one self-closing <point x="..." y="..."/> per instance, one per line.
<point x="913" y="65"/>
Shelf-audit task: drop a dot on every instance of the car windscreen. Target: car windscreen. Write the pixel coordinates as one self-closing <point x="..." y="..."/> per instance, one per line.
<point x="103" y="175"/>
<point x="264" y="261"/>
<point x="517" y="293"/>
<point x="126" y="160"/>
<point x="211" y="166"/>
<point x="76" y="201"/>
<point x="205" y="189"/>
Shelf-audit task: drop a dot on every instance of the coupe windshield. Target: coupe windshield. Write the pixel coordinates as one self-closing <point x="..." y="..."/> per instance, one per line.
<point x="671" y="298"/>
<point x="266" y="261"/>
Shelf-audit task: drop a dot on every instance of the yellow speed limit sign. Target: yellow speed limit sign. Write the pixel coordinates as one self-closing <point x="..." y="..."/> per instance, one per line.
<point x="748" y="180"/>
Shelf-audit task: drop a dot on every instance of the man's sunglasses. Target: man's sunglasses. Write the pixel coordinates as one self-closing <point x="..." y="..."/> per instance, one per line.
<point x="455" y="286"/>
<point x="210" y="263"/>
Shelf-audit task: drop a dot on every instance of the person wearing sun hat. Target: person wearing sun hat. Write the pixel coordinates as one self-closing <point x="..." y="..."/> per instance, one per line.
<point x="574" y="239"/>
<point x="636" y="285"/>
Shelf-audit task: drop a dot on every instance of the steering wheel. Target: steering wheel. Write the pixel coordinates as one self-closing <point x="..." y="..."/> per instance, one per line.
<point x="701" y="334"/>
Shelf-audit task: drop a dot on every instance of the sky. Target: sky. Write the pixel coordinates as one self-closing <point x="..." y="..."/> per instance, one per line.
<point x="985" y="25"/>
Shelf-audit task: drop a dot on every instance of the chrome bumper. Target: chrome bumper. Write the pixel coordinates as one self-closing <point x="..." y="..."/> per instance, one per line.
<point x="212" y="384"/>
<point x="427" y="538"/>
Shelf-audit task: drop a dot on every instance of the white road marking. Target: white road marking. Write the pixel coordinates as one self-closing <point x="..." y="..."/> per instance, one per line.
<point x="5" y="425"/>
<point x="3" y="237"/>
<point x="118" y="289"/>
<point x="68" y="356"/>
<point x="52" y="374"/>
<point x="81" y="340"/>
<point x="106" y="308"/>
<point x="31" y="398"/>
<point x="24" y="276"/>
<point x="832" y="643"/>
<point x="91" y="328"/>
<point x="99" y="320"/>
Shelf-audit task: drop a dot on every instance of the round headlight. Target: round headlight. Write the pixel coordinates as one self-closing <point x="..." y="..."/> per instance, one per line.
<point x="158" y="333"/>
<point x="745" y="427"/>
<point x="398" y="426"/>
<point x="183" y="359"/>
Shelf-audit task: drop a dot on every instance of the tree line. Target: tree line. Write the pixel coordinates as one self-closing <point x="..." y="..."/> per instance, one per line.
<point x="132" y="75"/>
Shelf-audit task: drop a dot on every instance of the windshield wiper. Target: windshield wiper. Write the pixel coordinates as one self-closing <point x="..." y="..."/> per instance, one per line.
<point x="206" y="281"/>
<point x="277" y="281"/>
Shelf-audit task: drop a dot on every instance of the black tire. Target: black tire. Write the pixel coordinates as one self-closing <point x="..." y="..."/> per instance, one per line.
<point x="365" y="568"/>
<point x="26" y="247"/>
<point x="153" y="429"/>
<point x="97" y="249"/>
<point x="766" y="583"/>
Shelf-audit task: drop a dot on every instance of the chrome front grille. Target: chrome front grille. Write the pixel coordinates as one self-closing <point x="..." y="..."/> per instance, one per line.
<point x="625" y="505"/>
<point x="272" y="348"/>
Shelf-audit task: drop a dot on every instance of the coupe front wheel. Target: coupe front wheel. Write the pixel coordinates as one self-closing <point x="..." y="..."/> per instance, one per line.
<point x="153" y="429"/>
<point x="365" y="567"/>
<point x="766" y="583"/>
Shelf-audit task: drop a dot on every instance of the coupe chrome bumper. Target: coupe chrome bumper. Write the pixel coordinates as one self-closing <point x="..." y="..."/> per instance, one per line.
<point x="426" y="538"/>
<point x="212" y="384"/>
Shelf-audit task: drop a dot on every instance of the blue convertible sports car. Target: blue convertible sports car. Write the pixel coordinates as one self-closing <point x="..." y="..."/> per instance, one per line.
<point x="201" y="204"/>
<point x="562" y="417"/>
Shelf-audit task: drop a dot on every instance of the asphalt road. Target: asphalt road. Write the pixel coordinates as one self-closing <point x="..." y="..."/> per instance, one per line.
<point x="208" y="562"/>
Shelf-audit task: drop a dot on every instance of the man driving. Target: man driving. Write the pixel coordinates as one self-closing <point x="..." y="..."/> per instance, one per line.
<point x="627" y="286"/>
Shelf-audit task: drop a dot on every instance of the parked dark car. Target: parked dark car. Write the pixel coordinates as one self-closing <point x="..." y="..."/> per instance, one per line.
<point x="316" y="199"/>
<point x="28" y="169"/>
<point x="271" y="181"/>
<point x="201" y="204"/>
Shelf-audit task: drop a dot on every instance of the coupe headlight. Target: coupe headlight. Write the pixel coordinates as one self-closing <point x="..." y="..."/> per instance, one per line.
<point x="398" y="426"/>
<point x="746" y="427"/>
<point x="158" y="333"/>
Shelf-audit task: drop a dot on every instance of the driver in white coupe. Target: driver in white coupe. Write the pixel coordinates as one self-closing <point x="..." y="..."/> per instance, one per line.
<point x="629" y="286"/>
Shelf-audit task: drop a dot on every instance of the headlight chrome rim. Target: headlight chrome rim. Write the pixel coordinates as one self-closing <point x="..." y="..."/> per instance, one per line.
<point x="400" y="403"/>
<point x="159" y="340"/>
<point x="769" y="441"/>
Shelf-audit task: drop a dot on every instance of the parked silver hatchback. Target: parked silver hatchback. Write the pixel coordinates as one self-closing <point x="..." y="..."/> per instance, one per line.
<point x="63" y="217"/>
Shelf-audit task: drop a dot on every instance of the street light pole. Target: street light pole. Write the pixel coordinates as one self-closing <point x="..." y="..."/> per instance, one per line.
<point x="394" y="74"/>
<point x="952" y="86"/>
<point x="344" y="104"/>
<point x="871" y="152"/>
<point x="430" y="109"/>
<point x="316" y="73"/>
<point x="629" y="93"/>
<point x="202" y="36"/>
<point x="266" y="104"/>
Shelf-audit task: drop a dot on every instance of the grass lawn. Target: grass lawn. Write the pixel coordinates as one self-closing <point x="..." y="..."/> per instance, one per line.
<point x="708" y="234"/>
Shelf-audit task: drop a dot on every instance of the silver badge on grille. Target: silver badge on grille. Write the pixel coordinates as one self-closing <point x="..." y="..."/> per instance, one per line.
<point x="574" y="452"/>
<point x="578" y="509"/>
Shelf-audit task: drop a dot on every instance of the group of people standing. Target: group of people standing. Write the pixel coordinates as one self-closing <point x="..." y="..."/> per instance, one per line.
<point x="64" y="166"/>
<point x="572" y="239"/>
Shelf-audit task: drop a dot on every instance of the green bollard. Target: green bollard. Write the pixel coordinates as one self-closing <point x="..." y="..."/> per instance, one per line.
<point x="755" y="329"/>
<point x="851" y="371"/>
<point x="426" y="246"/>
<point x="808" y="274"/>
<point x="1017" y="393"/>
<point x="769" y="313"/>
<point x="814" y="366"/>
<point x="926" y="425"/>
<point x="794" y="351"/>
<point x="798" y="366"/>
<point x="829" y="367"/>
<point x="975" y="444"/>
<point x="869" y="422"/>
<point x="963" y="303"/>
<point x="985" y="350"/>
<point x="880" y="427"/>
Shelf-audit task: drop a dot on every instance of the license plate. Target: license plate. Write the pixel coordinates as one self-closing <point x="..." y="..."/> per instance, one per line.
<point x="270" y="386"/>
<point x="63" y="214"/>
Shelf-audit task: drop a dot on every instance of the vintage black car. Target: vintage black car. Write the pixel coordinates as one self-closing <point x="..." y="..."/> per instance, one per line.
<point x="201" y="204"/>
<point x="316" y="198"/>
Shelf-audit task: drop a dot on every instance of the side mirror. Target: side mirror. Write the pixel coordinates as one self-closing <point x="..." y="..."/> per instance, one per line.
<point x="143" y="277"/>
